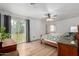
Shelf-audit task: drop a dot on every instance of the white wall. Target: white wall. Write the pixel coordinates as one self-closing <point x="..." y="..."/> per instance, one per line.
<point x="64" y="25"/>
<point x="36" y="29"/>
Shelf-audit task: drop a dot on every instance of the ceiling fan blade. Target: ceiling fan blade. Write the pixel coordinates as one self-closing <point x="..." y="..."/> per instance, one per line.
<point x="54" y="16"/>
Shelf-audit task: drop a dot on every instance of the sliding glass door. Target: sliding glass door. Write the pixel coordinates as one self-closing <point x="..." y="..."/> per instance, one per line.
<point x="18" y="30"/>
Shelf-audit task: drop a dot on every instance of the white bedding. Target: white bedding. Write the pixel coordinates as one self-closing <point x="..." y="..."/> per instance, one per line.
<point x="51" y="37"/>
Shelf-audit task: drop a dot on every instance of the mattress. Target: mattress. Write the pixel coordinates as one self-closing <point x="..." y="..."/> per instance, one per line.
<point x="54" y="37"/>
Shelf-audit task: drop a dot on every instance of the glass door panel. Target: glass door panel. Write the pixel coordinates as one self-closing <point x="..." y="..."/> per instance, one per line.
<point x="18" y="30"/>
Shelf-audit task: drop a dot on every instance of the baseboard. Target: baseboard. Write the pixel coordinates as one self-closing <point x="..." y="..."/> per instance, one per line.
<point x="29" y="42"/>
<point x="35" y="40"/>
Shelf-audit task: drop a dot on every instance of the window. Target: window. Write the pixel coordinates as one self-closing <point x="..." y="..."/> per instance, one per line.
<point x="52" y="28"/>
<point x="18" y="30"/>
<point x="73" y="29"/>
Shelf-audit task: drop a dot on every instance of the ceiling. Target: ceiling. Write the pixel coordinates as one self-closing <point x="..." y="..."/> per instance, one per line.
<point x="38" y="10"/>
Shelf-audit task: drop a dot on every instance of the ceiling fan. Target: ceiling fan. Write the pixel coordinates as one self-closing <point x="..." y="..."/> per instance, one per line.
<point x="50" y="17"/>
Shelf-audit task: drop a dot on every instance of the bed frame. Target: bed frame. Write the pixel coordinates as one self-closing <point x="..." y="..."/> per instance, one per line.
<point x="49" y="42"/>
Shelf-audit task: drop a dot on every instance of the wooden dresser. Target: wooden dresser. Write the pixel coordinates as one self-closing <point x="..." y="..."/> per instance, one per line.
<point x="67" y="50"/>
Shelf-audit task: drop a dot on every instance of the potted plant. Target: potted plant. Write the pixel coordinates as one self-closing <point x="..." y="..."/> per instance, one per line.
<point x="3" y="35"/>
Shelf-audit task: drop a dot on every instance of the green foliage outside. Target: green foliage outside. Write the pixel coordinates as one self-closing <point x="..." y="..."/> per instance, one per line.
<point x="18" y="31"/>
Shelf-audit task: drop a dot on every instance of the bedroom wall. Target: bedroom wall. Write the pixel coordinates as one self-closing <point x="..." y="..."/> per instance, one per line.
<point x="36" y="29"/>
<point x="64" y="25"/>
<point x="61" y="26"/>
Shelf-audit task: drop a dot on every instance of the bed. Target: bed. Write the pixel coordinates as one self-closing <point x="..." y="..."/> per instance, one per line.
<point x="50" y="39"/>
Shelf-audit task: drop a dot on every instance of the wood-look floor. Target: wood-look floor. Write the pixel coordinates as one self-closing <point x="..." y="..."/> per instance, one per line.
<point x="36" y="49"/>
